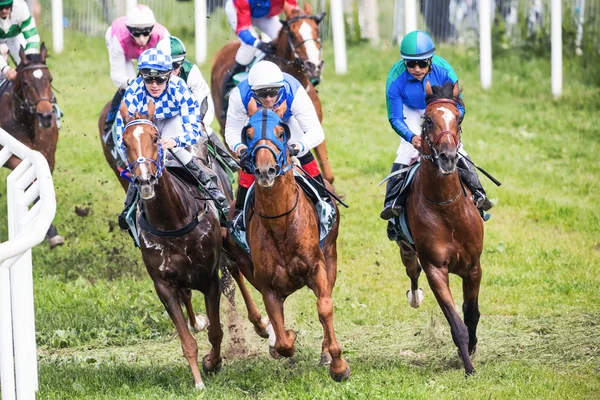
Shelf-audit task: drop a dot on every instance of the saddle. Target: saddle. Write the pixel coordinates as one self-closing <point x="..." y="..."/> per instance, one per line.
<point x="398" y="228"/>
<point x="325" y="213"/>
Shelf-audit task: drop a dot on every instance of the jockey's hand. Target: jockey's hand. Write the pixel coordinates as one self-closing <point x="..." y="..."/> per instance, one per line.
<point x="168" y="143"/>
<point x="416" y="142"/>
<point x="294" y="149"/>
<point x="11" y="74"/>
<point x="245" y="160"/>
<point x="267" y="48"/>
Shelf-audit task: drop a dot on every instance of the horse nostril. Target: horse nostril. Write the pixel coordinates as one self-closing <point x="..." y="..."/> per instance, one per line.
<point x="271" y="171"/>
<point x="443" y="156"/>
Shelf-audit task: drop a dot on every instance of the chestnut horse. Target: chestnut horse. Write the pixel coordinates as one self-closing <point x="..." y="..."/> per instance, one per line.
<point x="298" y="53"/>
<point x="446" y="226"/>
<point x="28" y="114"/>
<point x="107" y="154"/>
<point x="283" y="236"/>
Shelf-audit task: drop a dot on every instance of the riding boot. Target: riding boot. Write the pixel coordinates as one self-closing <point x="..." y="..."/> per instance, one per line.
<point x="394" y="200"/>
<point x="222" y="151"/>
<point x="228" y="84"/>
<point x="322" y="189"/>
<point x="469" y="176"/>
<point x="240" y="200"/>
<point x="111" y="116"/>
<point x="209" y="180"/>
<point x="129" y="199"/>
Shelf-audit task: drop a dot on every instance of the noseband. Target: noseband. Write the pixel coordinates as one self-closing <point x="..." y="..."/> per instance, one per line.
<point x="433" y="155"/>
<point x="144" y="160"/>
<point x="268" y="120"/>
<point x="24" y="102"/>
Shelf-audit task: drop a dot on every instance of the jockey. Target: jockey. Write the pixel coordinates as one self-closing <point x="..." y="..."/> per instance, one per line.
<point x="192" y="76"/>
<point x="270" y="87"/>
<point x="177" y="118"/>
<point x="126" y="39"/>
<point x="17" y="28"/>
<point x="405" y="95"/>
<point x="242" y="15"/>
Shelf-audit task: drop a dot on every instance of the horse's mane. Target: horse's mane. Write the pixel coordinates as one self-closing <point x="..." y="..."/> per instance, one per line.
<point x="444" y="92"/>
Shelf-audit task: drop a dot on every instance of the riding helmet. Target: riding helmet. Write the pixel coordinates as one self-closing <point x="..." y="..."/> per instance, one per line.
<point x="417" y="45"/>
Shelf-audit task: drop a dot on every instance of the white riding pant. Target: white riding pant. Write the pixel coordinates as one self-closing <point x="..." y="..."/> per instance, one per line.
<point x="268" y="25"/>
<point x="14" y="44"/>
<point x="406" y="153"/>
<point x="172" y="128"/>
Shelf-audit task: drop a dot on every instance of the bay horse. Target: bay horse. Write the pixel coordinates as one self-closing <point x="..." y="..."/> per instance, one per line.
<point x="106" y="150"/>
<point x="283" y="237"/>
<point x="28" y="114"/>
<point x="298" y="53"/>
<point x="445" y="224"/>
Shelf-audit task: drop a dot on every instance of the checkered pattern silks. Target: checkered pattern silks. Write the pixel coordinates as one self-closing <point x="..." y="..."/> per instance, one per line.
<point x="177" y="99"/>
<point x="155" y="59"/>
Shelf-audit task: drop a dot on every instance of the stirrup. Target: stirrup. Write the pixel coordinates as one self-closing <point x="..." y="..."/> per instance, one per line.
<point x="390" y="212"/>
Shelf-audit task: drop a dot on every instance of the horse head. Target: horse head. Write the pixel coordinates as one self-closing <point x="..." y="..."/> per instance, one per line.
<point x="33" y="86"/>
<point x="141" y="141"/>
<point x="441" y="126"/>
<point x="301" y="30"/>
<point x="266" y="138"/>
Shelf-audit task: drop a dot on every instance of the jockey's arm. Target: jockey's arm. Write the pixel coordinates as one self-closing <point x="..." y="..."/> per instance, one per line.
<point x="27" y="27"/>
<point x="190" y="118"/>
<point x="237" y="118"/>
<point x="131" y="101"/>
<point x="244" y="23"/>
<point x="306" y="115"/>
<point x="118" y="63"/>
<point x="200" y="88"/>
<point x="395" y="107"/>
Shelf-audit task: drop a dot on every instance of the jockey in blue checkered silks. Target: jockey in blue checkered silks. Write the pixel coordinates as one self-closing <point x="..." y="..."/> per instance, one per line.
<point x="177" y="116"/>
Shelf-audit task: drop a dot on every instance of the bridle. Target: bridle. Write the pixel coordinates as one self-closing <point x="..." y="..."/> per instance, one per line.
<point x="24" y="103"/>
<point x="144" y="160"/>
<point x="433" y="155"/>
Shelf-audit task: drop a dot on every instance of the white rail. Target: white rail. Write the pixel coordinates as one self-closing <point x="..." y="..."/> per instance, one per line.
<point x="26" y="228"/>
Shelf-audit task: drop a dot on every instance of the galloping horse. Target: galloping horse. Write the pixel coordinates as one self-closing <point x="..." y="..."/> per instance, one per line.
<point x="445" y="224"/>
<point x="107" y="154"/>
<point x="180" y="239"/>
<point x="298" y="53"/>
<point x="29" y="115"/>
<point x="283" y="236"/>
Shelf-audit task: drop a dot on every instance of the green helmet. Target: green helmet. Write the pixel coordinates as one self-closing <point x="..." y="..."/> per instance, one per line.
<point x="173" y="46"/>
<point x="417" y="45"/>
<point x="6" y="2"/>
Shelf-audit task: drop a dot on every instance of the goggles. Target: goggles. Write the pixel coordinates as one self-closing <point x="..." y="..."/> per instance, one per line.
<point x="137" y="32"/>
<point x="421" y="63"/>
<point x="160" y="79"/>
<point x="267" y="92"/>
<point x="177" y="65"/>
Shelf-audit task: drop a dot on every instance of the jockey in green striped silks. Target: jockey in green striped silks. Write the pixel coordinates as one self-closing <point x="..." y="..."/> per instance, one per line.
<point x="17" y="28"/>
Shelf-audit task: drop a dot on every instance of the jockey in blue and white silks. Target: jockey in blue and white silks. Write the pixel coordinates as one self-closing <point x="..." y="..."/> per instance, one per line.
<point x="177" y="117"/>
<point x="405" y="96"/>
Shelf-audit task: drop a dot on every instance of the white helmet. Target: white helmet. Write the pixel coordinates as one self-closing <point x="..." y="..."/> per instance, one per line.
<point x="140" y="16"/>
<point x="265" y="74"/>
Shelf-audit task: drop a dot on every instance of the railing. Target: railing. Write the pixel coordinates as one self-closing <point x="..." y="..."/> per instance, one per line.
<point x="29" y="184"/>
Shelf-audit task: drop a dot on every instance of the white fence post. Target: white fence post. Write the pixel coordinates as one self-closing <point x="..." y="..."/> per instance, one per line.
<point x="27" y="227"/>
<point x="339" y="36"/>
<point x="556" y="38"/>
<point x="58" y="42"/>
<point x="485" y="44"/>
<point x="410" y="16"/>
<point x="200" y="31"/>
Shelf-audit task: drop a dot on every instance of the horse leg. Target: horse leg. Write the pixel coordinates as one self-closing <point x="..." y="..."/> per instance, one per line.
<point x="438" y="281"/>
<point x="54" y="239"/>
<point x="471" y="306"/>
<point x="413" y="270"/>
<point x="195" y="322"/>
<point x="330" y="253"/>
<point x="170" y="298"/>
<point x="282" y="342"/>
<point x="260" y="325"/>
<point x="211" y="362"/>
<point x="338" y="369"/>
<point x="323" y="158"/>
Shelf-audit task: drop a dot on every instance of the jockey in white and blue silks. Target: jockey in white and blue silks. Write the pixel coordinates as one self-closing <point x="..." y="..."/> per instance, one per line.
<point x="405" y="95"/>
<point x="177" y="117"/>
<point x="270" y="87"/>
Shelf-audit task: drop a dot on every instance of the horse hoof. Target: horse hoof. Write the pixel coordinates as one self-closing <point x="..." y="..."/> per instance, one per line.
<point x="273" y="353"/>
<point x="340" y="377"/>
<point x="56" y="240"/>
<point x="415" y="299"/>
<point x="200" y="386"/>
<point x="208" y="367"/>
<point x="472" y="351"/>
<point x="262" y="332"/>
<point x="471" y="373"/>
<point x="325" y="358"/>
<point x="201" y="323"/>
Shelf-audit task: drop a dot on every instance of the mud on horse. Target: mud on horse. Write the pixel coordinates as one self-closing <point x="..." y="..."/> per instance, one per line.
<point x="32" y="115"/>
<point x="283" y="236"/>
<point x="445" y="224"/>
<point x="298" y="53"/>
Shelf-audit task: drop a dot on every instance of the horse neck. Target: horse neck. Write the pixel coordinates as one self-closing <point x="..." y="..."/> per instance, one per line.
<point x="435" y="186"/>
<point x="172" y="204"/>
<point x="285" y="51"/>
<point x="277" y="200"/>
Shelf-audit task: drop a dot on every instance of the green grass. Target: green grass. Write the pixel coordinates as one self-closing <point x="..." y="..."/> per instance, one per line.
<point x="103" y="334"/>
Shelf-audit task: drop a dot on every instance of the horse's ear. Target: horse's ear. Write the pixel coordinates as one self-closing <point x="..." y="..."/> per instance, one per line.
<point x="252" y="107"/>
<point x="203" y="108"/>
<point x="287" y="9"/>
<point x="308" y="8"/>
<point x="455" y="90"/>
<point x="281" y="109"/>
<point x="428" y="88"/>
<point x="124" y="112"/>
<point x="319" y="17"/>
<point x="22" y="55"/>
<point x="151" y="110"/>
<point x="43" y="52"/>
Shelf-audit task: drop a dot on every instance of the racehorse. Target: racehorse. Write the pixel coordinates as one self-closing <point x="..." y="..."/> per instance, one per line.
<point x="107" y="153"/>
<point x="283" y="237"/>
<point x="298" y="53"/>
<point x="28" y="113"/>
<point x="445" y="224"/>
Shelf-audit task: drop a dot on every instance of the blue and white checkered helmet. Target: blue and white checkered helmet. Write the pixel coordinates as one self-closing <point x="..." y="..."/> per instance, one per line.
<point x="155" y="59"/>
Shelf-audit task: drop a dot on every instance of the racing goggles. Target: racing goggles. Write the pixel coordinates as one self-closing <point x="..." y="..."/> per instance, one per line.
<point x="421" y="63"/>
<point x="160" y="79"/>
<point x="177" y="65"/>
<point x="137" y="32"/>
<point x="267" y="92"/>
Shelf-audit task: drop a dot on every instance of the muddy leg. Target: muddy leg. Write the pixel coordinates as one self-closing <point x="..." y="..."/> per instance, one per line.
<point x="338" y="369"/>
<point x="413" y="270"/>
<point x="471" y="306"/>
<point x="170" y="299"/>
<point x="212" y="361"/>
<point x="323" y="159"/>
<point x="253" y="313"/>
<point x="284" y="340"/>
<point x="54" y="239"/>
<point x="438" y="281"/>
<point x="195" y="322"/>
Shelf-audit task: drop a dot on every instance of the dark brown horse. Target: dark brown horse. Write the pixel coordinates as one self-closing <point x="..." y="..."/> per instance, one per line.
<point x="29" y="115"/>
<point x="298" y="53"/>
<point x="107" y="154"/>
<point x="180" y="240"/>
<point x="283" y="236"/>
<point x="445" y="224"/>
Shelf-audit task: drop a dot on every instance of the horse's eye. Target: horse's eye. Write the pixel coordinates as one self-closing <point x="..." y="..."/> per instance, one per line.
<point x="155" y="140"/>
